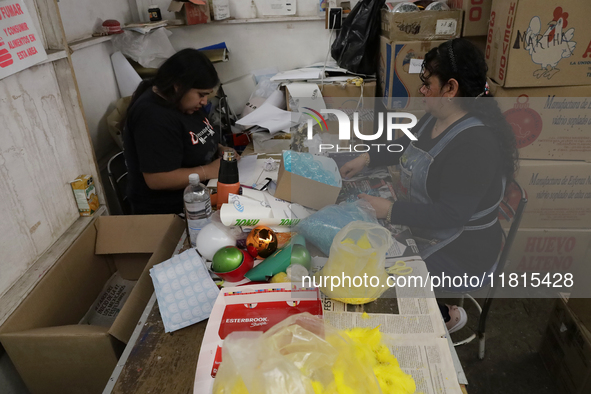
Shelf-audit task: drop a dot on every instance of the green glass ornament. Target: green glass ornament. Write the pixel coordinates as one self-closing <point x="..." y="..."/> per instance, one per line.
<point x="301" y="256"/>
<point x="227" y="259"/>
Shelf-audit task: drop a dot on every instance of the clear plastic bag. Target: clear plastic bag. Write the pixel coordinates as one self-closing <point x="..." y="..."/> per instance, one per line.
<point x="359" y="249"/>
<point x="302" y="355"/>
<point x="321" y="227"/>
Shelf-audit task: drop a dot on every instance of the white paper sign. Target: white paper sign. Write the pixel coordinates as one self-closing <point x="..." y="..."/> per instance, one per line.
<point x="416" y="65"/>
<point x="20" y="45"/>
<point x="446" y="27"/>
<point x="276" y="7"/>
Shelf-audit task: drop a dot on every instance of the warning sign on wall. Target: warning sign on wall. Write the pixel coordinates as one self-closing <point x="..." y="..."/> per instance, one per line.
<point x="20" y="44"/>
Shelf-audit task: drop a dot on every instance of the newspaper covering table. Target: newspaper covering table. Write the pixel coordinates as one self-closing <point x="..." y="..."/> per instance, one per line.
<point x="415" y="334"/>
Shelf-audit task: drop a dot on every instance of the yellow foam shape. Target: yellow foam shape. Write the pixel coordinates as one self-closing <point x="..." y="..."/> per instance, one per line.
<point x="363" y="242"/>
<point x="279" y="278"/>
<point x="347" y="241"/>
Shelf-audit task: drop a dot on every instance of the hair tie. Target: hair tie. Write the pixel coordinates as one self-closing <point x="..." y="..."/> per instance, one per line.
<point x="486" y="88"/>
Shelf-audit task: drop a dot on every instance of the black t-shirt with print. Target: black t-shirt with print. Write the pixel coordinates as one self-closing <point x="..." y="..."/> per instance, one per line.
<point x="160" y="138"/>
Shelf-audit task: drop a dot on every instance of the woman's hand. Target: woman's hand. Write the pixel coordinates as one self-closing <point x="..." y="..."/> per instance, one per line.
<point x="353" y="167"/>
<point x="382" y="206"/>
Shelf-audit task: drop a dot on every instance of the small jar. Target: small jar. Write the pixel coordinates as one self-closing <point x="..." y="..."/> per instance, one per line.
<point x="155" y="14"/>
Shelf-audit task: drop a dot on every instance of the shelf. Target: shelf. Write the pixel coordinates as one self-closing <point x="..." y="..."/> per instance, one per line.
<point x="53" y="55"/>
<point x="256" y="20"/>
<point x="87" y="42"/>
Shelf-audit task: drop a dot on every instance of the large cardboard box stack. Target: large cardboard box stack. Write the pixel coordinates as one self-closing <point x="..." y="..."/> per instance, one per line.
<point x="539" y="56"/>
<point x="405" y="39"/>
<point x="51" y="350"/>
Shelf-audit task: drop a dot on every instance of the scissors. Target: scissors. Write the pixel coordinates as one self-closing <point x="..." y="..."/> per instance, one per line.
<point x="399" y="268"/>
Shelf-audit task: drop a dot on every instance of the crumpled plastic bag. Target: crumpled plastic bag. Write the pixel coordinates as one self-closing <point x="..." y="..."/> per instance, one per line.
<point x="150" y="50"/>
<point x="303" y="355"/>
<point x="321" y="227"/>
<point x="357" y="251"/>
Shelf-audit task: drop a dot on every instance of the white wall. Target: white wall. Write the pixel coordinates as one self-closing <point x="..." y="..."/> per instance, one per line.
<point x="38" y="159"/>
<point x="258" y="45"/>
<point x="92" y="65"/>
<point x="99" y="91"/>
<point x="80" y="16"/>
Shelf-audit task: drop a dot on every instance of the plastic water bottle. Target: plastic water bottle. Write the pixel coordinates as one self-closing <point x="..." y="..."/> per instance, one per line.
<point x="197" y="207"/>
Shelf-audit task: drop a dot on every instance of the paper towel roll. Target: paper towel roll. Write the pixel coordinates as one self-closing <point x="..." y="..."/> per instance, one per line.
<point x="277" y="99"/>
<point x="242" y="210"/>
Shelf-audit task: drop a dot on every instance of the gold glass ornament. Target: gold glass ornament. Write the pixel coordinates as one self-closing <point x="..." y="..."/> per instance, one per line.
<point x="263" y="239"/>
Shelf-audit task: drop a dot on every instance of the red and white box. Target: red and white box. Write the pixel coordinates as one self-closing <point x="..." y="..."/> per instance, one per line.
<point x="254" y="308"/>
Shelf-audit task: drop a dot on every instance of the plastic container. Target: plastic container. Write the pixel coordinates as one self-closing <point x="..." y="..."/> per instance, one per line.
<point x="155" y="14"/>
<point x="197" y="207"/>
<point x="228" y="180"/>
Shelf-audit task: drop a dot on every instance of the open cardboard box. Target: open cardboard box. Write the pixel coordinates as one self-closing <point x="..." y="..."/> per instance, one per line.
<point x="305" y="191"/>
<point x="51" y="351"/>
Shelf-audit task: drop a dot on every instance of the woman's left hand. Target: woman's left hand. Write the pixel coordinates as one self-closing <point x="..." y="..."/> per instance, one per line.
<point x="381" y="205"/>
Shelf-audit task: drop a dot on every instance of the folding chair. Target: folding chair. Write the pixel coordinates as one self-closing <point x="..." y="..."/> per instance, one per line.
<point x="117" y="170"/>
<point x="511" y="211"/>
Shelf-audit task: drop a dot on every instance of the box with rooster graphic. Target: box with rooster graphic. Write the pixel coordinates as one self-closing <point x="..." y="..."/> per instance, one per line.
<point x="533" y="43"/>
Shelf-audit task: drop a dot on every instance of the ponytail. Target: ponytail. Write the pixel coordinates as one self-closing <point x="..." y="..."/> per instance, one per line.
<point x="142" y="87"/>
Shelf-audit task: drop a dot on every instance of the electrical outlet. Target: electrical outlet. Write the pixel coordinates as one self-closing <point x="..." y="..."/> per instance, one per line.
<point x="335" y="18"/>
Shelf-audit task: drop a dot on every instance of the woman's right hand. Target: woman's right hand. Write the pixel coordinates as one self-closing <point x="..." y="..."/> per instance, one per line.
<point x="353" y="167"/>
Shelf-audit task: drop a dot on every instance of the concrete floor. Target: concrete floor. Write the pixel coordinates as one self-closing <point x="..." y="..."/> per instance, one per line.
<point x="512" y="364"/>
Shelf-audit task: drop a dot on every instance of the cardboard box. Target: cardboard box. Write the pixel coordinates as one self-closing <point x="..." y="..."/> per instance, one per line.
<point x="479" y="42"/>
<point x="254" y="308"/>
<point x="344" y="96"/>
<point x="566" y="350"/>
<point x="85" y="194"/>
<point x="51" y="351"/>
<point x="532" y="43"/>
<point x="333" y="93"/>
<point x="550" y="123"/>
<point x="194" y="12"/>
<point x="558" y="192"/>
<point x="399" y="69"/>
<point x="307" y="192"/>
<point x="549" y="250"/>
<point x="476" y="14"/>
<point x="421" y="25"/>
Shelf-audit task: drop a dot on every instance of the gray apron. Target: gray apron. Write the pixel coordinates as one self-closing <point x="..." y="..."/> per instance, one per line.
<point x="414" y="169"/>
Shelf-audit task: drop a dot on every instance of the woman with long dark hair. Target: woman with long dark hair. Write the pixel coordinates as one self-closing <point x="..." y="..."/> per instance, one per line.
<point x="454" y="176"/>
<point x="167" y="135"/>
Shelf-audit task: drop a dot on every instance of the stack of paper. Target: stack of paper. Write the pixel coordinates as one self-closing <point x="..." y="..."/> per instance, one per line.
<point x="145" y="28"/>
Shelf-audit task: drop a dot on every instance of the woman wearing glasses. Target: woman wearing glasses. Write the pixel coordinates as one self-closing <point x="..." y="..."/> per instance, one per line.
<point x="453" y="177"/>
